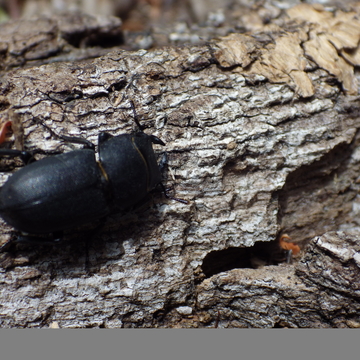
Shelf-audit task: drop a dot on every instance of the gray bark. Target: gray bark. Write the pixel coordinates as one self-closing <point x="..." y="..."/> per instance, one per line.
<point x="262" y="139"/>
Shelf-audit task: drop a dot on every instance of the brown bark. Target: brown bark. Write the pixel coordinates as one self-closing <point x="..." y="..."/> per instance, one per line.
<point x="262" y="136"/>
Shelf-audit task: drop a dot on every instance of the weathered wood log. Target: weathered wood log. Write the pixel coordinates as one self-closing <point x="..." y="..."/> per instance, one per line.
<point x="65" y="37"/>
<point x="322" y="290"/>
<point x="261" y="132"/>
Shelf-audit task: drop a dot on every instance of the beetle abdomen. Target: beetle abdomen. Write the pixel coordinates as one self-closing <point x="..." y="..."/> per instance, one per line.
<point x="55" y="193"/>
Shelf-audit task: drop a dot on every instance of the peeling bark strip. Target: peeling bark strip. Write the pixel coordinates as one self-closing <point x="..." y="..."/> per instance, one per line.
<point x="262" y="138"/>
<point x="329" y="40"/>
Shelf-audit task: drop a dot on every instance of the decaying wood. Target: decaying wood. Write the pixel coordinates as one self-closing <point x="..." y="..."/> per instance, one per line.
<point x="261" y="131"/>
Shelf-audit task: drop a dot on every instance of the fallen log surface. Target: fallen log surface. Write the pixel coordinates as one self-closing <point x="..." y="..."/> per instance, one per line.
<point x="262" y="134"/>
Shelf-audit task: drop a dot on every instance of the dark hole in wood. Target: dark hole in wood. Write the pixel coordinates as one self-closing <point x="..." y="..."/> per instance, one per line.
<point x="262" y="253"/>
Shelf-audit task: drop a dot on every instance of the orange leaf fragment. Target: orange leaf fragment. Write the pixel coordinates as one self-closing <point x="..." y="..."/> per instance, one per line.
<point x="286" y="245"/>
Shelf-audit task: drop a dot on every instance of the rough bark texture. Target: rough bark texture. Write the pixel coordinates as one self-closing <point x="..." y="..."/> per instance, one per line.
<point x="261" y="132"/>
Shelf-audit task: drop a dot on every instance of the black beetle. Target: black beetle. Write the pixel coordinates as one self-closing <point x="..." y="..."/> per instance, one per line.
<point x="64" y="191"/>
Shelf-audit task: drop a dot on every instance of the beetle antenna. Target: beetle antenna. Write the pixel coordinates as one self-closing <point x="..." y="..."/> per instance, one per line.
<point x="26" y="156"/>
<point x="136" y="117"/>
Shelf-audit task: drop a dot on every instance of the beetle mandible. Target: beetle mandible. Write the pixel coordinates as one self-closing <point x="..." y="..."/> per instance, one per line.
<point x="64" y="191"/>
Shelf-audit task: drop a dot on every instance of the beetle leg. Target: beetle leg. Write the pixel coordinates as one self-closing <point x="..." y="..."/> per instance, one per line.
<point x="164" y="190"/>
<point x="25" y="156"/>
<point x="31" y="239"/>
<point x="72" y="139"/>
<point x="162" y="165"/>
<point x="53" y="238"/>
<point x="6" y="246"/>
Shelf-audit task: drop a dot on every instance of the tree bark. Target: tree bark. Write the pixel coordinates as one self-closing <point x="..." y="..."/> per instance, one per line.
<point x="261" y="132"/>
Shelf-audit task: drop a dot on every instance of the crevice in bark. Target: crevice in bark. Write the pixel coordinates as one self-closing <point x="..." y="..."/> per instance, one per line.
<point x="89" y="39"/>
<point x="314" y="192"/>
<point x="117" y="86"/>
<point x="261" y="254"/>
<point x="65" y="96"/>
